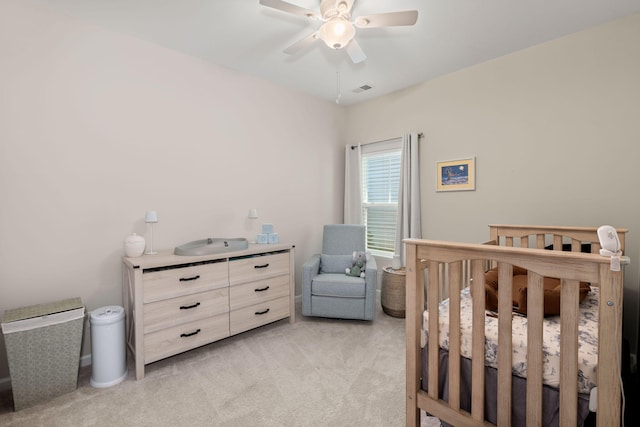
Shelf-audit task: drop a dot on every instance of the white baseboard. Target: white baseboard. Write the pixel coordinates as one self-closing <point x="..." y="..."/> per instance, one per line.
<point x="5" y="383"/>
<point x="85" y="360"/>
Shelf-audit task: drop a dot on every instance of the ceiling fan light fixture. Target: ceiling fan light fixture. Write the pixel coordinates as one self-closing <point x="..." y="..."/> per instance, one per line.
<point x="337" y="32"/>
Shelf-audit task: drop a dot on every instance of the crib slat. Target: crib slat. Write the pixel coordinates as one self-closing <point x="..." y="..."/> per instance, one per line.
<point x="576" y="245"/>
<point x="539" y="241"/>
<point x="432" y="306"/>
<point x="477" y="342"/>
<point x="505" y="291"/>
<point x="535" y="316"/>
<point x="569" y="301"/>
<point x="455" y="281"/>
<point x="557" y="242"/>
<point x="443" y="284"/>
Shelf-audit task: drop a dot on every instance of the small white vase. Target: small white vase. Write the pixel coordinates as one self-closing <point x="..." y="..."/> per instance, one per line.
<point x="134" y="245"/>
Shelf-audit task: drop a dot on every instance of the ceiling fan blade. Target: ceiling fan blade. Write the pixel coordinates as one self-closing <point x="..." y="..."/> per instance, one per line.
<point x="290" y="8"/>
<point x="301" y="44"/>
<point x="389" y="19"/>
<point x="355" y="52"/>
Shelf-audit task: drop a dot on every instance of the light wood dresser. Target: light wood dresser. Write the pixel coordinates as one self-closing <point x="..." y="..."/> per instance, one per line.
<point x="177" y="303"/>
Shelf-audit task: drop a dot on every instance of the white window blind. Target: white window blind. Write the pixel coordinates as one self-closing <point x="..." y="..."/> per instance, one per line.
<point x="380" y="186"/>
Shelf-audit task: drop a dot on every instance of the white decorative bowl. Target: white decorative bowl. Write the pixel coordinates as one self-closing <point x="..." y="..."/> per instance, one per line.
<point x="134" y="245"/>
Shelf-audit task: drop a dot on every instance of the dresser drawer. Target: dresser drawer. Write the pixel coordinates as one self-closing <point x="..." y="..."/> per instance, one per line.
<point x="174" y="340"/>
<point x="259" y="291"/>
<point x="259" y="314"/>
<point x="258" y="267"/>
<point x="164" y="284"/>
<point x="174" y="311"/>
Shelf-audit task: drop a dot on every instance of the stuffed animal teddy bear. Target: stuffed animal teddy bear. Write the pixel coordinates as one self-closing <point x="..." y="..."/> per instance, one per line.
<point x="358" y="265"/>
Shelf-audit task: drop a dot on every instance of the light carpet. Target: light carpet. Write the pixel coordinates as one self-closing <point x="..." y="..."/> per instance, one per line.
<point x="315" y="372"/>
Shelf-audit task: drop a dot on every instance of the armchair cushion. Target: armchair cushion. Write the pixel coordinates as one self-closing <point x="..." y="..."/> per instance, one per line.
<point x="333" y="285"/>
<point x="334" y="263"/>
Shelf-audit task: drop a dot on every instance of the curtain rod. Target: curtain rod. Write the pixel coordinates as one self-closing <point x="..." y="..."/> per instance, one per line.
<point x="420" y="135"/>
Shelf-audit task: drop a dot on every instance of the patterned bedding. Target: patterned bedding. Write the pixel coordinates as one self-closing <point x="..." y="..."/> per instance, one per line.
<point x="587" y="340"/>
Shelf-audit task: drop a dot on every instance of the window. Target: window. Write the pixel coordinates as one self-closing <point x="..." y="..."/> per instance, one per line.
<point x="380" y="171"/>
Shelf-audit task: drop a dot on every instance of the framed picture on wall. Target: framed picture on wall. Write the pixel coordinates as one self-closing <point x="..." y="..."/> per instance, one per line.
<point x="456" y="175"/>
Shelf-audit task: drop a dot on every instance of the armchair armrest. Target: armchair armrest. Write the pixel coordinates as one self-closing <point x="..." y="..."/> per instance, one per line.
<point x="309" y="269"/>
<point x="371" y="281"/>
<point x="371" y="267"/>
<point x="371" y="275"/>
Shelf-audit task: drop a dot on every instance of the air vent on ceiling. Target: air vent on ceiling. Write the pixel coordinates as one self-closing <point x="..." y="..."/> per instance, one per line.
<point x="362" y="88"/>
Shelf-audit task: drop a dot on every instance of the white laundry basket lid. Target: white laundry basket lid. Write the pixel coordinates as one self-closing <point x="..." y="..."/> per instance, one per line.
<point x="106" y="315"/>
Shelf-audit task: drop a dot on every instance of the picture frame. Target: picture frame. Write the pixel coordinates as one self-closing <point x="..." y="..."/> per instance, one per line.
<point x="456" y="175"/>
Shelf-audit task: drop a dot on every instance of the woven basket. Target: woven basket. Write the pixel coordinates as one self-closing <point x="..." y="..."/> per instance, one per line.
<point x="393" y="291"/>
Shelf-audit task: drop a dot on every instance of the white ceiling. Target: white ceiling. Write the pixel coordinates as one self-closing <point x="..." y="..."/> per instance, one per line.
<point x="449" y="35"/>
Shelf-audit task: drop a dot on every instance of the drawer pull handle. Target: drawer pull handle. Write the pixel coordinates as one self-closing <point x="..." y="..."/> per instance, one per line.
<point x="262" y="289"/>
<point x="188" y="279"/>
<point x="259" y="313"/>
<point x="261" y="266"/>
<point x="190" y="334"/>
<point x="187" y="307"/>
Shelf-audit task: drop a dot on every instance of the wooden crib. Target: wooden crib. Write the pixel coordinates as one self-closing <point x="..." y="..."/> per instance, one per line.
<point x="450" y="267"/>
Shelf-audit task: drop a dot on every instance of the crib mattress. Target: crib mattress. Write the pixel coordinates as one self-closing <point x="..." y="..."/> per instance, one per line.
<point x="587" y="340"/>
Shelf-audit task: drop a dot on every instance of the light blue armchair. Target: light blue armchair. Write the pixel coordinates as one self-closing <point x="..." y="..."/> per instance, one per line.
<point x="326" y="290"/>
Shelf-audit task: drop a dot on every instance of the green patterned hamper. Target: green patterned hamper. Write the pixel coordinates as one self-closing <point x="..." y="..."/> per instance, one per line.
<point x="43" y="349"/>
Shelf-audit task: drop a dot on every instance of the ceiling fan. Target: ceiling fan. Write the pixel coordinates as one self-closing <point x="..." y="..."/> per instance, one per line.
<point x="337" y="30"/>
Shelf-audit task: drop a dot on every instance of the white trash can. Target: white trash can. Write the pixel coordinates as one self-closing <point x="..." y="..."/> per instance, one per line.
<point x="108" y="349"/>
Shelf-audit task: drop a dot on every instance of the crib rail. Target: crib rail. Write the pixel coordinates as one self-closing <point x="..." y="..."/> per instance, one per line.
<point x="532" y="236"/>
<point x="450" y="266"/>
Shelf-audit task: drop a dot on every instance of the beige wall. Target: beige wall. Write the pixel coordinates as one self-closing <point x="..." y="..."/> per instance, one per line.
<point x="554" y="130"/>
<point x="97" y="127"/>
